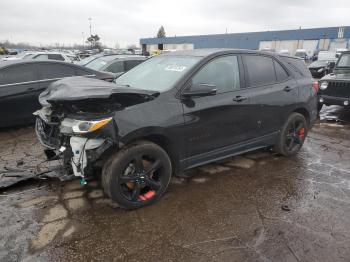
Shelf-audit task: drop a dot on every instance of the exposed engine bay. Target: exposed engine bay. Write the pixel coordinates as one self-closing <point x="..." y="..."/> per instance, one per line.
<point x="77" y="124"/>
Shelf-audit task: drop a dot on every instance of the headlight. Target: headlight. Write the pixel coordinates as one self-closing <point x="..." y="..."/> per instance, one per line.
<point x="324" y="85"/>
<point x="82" y="126"/>
<point x="320" y="70"/>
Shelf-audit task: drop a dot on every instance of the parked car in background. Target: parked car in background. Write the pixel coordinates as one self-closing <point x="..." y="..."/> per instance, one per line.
<point x="21" y="82"/>
<point x="116" y="64"/>
<point x="86" y="60"/>
<point x="301" y="53"/>
<point x="177" y="111"/>
<point x="51" y="56"/>
<point x="335" y="87"/>
<point x="324" y="65"/>
<point x="284" y="52"/>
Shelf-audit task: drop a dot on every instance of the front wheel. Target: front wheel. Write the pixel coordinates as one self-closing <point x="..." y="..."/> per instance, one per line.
<point x="137" y="175"/>
<point x="292" y="135"/>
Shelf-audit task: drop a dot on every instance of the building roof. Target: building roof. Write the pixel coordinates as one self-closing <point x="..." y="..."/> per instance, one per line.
<point x="249" y="40"/>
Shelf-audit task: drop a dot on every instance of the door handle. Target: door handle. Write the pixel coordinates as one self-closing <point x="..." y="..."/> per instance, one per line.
<point x="287" y="89"/>
<point x="30" y="89"/>
<point x="239" y="98"/>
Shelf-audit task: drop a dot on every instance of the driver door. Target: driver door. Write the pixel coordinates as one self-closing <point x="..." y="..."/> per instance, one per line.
<point x="218" y="121"/>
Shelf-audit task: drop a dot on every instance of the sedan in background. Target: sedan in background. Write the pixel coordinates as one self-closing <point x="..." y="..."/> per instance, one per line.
<point x="21" y="82"/>
<point x="116" y="64"/>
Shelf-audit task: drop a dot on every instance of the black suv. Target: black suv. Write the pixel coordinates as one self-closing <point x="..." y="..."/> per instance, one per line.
<point x="335" y="87"/>
<point x="174" y="112"/>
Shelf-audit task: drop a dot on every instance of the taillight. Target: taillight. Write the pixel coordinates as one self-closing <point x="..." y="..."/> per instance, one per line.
<point x="316" y="86"/>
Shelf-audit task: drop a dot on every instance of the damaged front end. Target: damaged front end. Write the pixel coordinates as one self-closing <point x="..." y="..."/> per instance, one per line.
<point x="77" y="122"/>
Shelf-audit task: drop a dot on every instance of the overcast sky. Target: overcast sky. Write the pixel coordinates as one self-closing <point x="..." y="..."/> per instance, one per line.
<point x="125" y="22"/>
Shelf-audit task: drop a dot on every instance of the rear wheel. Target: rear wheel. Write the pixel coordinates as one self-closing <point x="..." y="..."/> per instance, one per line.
<point x="137" y="175"/>
<point x="292" y="135"/>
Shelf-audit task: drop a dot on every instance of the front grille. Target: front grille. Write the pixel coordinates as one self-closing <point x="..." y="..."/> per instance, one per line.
<point x="337" y="89"/>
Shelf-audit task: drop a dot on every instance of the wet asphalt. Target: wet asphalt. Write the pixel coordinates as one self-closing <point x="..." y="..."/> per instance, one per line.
<point x="256" y="207"/>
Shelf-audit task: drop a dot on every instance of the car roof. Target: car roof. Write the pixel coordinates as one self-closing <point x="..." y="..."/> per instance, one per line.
<point x="219" y="51"/>
<point x="30" y="61"/>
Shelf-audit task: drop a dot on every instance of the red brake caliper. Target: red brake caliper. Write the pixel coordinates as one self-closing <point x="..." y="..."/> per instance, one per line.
<point x="147" y="196"/>
<point x="302" y="132"/>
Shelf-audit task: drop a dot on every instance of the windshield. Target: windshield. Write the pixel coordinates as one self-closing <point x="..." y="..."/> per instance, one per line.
<point x="344" y="61"/>
<point x="99" y="63"/>
<point x="159" y="73"/>
<point x="319" y="63"/>
<point x="87" y="60"/>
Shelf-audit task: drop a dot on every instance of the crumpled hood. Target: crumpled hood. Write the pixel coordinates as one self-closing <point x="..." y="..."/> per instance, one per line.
<point x="83" y="88"/>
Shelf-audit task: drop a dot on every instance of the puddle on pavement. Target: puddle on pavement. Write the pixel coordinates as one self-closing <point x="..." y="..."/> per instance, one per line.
<point x="229" y="210"/>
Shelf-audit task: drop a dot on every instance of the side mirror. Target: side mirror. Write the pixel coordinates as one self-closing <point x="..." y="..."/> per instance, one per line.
<point x="337" y="55"/>
<point x="331" y="64"/>
<point x="199" y="90"/>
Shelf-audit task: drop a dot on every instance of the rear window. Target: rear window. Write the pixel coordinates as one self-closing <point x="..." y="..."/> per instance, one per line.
<point x="55" y="57"/>
<point x="298" y="66"/>
<point x="260" y="69"/>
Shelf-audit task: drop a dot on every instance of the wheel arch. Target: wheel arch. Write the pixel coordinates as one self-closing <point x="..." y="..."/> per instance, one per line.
<point x="304" y="112"/>
<point x="158" y="137"/>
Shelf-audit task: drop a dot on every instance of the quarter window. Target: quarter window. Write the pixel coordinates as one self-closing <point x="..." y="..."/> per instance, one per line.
<point x="281" y="74"/>
<point x="18" y="74"/>
<point x="222" y="72"/>
<point x="260" y="70"/>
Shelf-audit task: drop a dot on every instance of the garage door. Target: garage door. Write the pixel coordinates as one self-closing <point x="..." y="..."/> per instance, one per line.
<point x="265" y="45"/>
<point x="310" y="46"/>
<point x="336" y="44"/>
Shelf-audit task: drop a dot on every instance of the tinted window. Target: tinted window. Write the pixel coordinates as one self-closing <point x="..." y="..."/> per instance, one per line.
<point x="81" y="72"/>
<point x="116" y="67"/>
<point x="41" y="57"/>
<point x="260" y="70"/>
<point x="131" y="63"/>
<point x="18" y="74"/>
<point x="281" y="74"/>
<point x="222" y="72"/>
<point x="52" y="71"/>
<point x="55" y="57"/>
<point x="298" y="66"/>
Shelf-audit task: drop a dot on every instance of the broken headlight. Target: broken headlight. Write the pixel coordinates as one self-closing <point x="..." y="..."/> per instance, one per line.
<point x="83" y="126"/>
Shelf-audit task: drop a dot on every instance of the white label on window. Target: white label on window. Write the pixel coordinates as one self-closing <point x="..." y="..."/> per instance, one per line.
<point x="175" y="68"/>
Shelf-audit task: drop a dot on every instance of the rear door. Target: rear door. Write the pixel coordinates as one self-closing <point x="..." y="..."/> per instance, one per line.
<point x="51" y="72"/>
<point x="214" y="122"/>
<point x="273" y="92"/>
<point x="17" y="99"/>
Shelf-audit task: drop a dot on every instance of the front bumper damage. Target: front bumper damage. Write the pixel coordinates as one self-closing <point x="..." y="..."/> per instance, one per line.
<point x="82" y="155"/>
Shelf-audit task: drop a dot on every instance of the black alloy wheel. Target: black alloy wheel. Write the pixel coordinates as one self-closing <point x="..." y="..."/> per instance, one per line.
<point x="292" y="135"/>
<point x="137" y="175"/>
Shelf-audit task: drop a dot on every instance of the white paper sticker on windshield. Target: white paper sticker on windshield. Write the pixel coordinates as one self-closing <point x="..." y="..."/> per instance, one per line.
<point x="175" y="68"/>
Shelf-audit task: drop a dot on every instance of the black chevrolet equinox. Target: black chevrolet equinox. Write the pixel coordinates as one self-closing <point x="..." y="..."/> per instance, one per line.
<point x="174" y="112"/>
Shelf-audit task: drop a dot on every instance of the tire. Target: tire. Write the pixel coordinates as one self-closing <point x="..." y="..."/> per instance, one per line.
<point x="137" y="175"/>
<point x="292" y="135"/>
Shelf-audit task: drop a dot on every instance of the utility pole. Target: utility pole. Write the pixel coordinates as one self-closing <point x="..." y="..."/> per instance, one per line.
<point x="83" y="34"/>
<point x="90" y="25"/>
